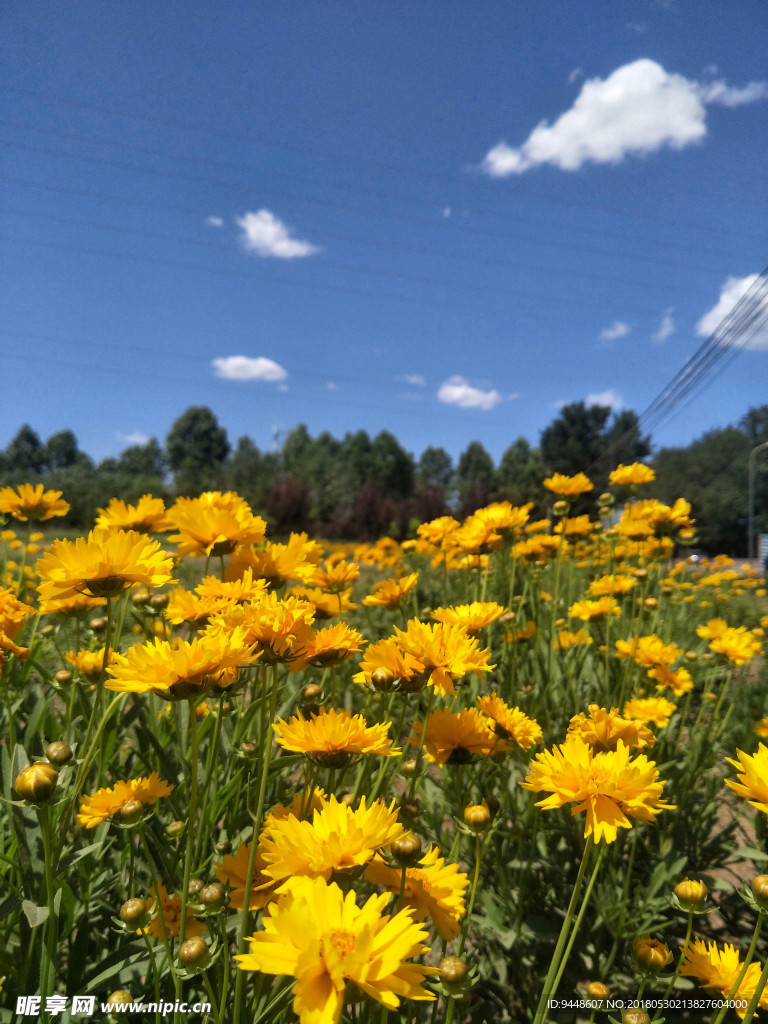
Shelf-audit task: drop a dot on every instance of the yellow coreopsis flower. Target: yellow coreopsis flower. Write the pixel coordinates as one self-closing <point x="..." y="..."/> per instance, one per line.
<point x="320" y="937"/>
<point x="232" y="870"/>
<point x="456" y="738"/>
<point x="720" y="969"/>
<point x="170" y="912"/>
<point x="679" y="681"/>
<point x="569" y="486"/>
<point x="103" y="565"/>
<point x="280" y="627"/>
<point x="389" y="593"/>
<point x="279" y="563"/>
<point x="146" y="516"/>
<point x="337" y="838"/>
<point x="632" y="476"/>
<point x="612" y="585"/>
<point x="182" y="669"/>
<point x="89" y="663"/>
<point x="334" y="737"/>
<point x="445" y="651"/>
<point x="472" y="617"/>
<point x="738" y="644"/>
<point x="610" y="786"/>
<point x="105" y="803"/>
<point x="589" y="610"/>
<point x="648" y="651"/>
<point x="13" y="613"/>
<point x="433" y="889"/>
<point x="603" y="729"/>
<point x="510" y="723"/>
<point x="386" y="660"/>
<point x="214" y="524"/>
<point x="658" y="710"/>
<point x="335" y="576"/>
<point x="753" y="777"/>
<point x="32" y="504"/>
<point x="330" y="646"/>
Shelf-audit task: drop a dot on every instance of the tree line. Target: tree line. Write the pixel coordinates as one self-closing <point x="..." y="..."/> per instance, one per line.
<point x="361" y="487"/>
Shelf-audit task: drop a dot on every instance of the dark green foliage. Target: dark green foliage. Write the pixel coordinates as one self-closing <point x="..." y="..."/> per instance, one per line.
<point x="196" y="448"/>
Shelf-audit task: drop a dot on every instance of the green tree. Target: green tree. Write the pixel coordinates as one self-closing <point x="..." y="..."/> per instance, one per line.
<point x="251" y="472"/>
<point x="435" y="467"/>
<point x="474" y="477"/>
<point x="391" y="466"/>
<point x="196" y="448"/>
<point x="26" y="455"/>
<point x="61" y="450"/>
<point x="520" y="475"/>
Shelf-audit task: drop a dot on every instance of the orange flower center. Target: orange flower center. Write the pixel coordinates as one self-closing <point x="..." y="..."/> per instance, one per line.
<point x="344" y="941"/>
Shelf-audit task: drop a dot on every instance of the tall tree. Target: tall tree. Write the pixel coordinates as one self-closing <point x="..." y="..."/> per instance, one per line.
<point x="474" y="476"/>
<point x="61" y="450"/>
<point x="145" y="460"/>
<point x="196" y="448"/>
<point x="26" y="455"/>
<point x="520" y="474"/>
<point x="391" y="465"/>
<point x="435" y="466"/>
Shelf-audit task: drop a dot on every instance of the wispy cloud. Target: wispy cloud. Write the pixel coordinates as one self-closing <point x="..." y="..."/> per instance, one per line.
<point x="609" y="398"/>
<point x="136" y="438"/>
<point x="266" y="235"/>
<point x="246" y="368"/>
<point x="732" y="291"/>
<point x="618" y="329"/>
<point x="214" y="222"/>
<point x="331" y="385"/>
<point x="666" y="328"/>
<point x="457" y="391"/>
<point x="416" y="379"/>
<point x="638" y="109"/>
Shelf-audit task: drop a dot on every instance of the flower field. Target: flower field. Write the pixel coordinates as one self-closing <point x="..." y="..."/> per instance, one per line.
<point x="506" y="770"/>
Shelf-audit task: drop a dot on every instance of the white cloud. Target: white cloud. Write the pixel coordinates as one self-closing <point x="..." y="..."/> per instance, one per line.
<point x="617" y="330"/>
<point x="447" y="211"/>
<point x="266" y="235"/>
<point x="416" y="379"/>
<point x="331" y="386"/>
<point x="214" y="222"/>
<point x="637" y="26"/>
<point x="666" y="328"/>
<point x="457" y="391"/>
<point x="246" y="368"/>
<point x="730" y="95"/>
<point x="639" y="108"/>
<point x="732" y="291"/>
<point x="609" y="398"/>
<point x="136" y="438"/>
<point x="576" y="73"/>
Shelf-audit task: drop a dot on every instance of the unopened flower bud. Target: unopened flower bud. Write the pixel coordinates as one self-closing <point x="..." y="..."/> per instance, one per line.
<point x="409" y="809"/>
<point x="406" y="850"/>
<point x="224" y="846"/>
<point x="140" y="597"/>
<point x="308" y="710"/>
<point x="135" y="913"/>
<point x="175" y="829"/>
<point x="690" y="894"/>
<point x="194" y="887"/>
<point x="59" y="753"/>
<point x="37" y="782"/>
<point x="759" y="886"/>
<point x="453" y="972"/>
<point x="560" y="508"/>
<point x="63" y="677"/>
<point x="47" y="630"/>
<point x="384" y="679"/>
<point x="311" y="692"/>
<point x="120" y="998"/>
<point x="560" y="623"/>
<point x="598" y="990"/>
<point x="477" y="817"/>
<point x="640" y="574"/>
<point x="635" y="1017"/>
<point x="651" y="955"/>
<point x="691" y="656"/>
<point x="193" y="952"/>
<point x="98" y="623"/>
<point x="158" y="601"/>
<point x="131" y="812"/>
<point x="250" y="750"/>
<point x="651" y="603"/>
<point x="213" y="896"/>
<point x="409" y="767"/>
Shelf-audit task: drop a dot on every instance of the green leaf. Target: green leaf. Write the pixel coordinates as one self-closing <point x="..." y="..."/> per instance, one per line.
<point x="34" y="914"/>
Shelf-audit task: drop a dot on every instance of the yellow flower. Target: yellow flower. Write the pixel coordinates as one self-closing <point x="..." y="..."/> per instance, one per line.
<point x="569" y="486"/>
<point x="327" y="606"/>
<point x="181" y="669"/>
<point x="610" y="787"/>
<point x="576" y="526"/>
<point x="278" y="563"/>
<point x="503" y="518"/>
<point x="232" y="870"/>
<point x="89" y="663"/>
<point x="74" y="605"/>
<point x="679" y="681"/>
<point x="105" y="803"/>
<point x="336" y="576"/>
<point x="566" y="639"/>
<point x="389" y="593"/>
<point x="612" y="585"/>
<point x="170" y="911"/>
<point x="472" y="617"/>
<point x="510" y="723"/>
<point x="720" y="969"/>
<point x="338" y="839"/>
<point x="589" y="610"/>
<point x="455" y="738"/>
<point x="280" y="627"/>
<point x="104" y="565"/>
<point x="334" y="737"/>
<point x="737" y="644"/>
<point x="516" y="636"/>
<point x="13" y="613"/>
<point x="648" y="651"/>
<point x="603" y="730"/>
<point x="433" y="890"/>
<point x="658" y="710"/>
<point x="32" y="504"/>
<point x="632" y="476"/>
<point x="445" y="651"/>
<point x="320" y="937"/>
<point x="753" y="777"/>
<point x="439" y="531"/>
<point x="386" y="657"/>
<point x="214" y="524"/>
<point x="146" y="516"/>
<point x="761" y="727"/>
<point x="329" y="646"/>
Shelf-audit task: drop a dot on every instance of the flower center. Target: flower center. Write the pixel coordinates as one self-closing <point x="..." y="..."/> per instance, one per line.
<point x="344" y="941"/>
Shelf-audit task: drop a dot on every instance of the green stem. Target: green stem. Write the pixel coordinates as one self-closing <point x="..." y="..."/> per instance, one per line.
<point x="191" y="833"/>
<point x="50" y="925"/>
<point x="577" y="923"/>
<point x="549" y="989"/>
<point x="752" y="1008"/>
<point x="743" y="972"/>
<point x="676" y="972"/>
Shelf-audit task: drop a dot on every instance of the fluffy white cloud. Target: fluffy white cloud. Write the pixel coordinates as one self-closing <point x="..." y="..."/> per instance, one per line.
<point x="266" y="235"/>
<point x="734" y="289"/>
<point x="616" y="330"/>
<point x="416" y="379"/>
<point x="666" y="328"/>
<point x="639" y="108"/>
<point x="457" y="391"/>
<point x="246" y="368"/>
<point x="609" y="398"/>
<point x="135" y="438"/>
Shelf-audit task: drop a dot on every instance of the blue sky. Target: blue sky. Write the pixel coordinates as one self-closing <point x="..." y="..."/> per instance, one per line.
<point x="441" y="219"/>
